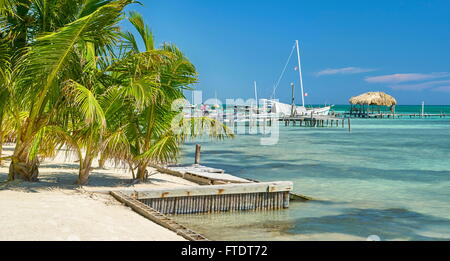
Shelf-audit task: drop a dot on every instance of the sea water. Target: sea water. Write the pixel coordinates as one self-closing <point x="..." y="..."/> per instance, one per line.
<point x="388" y="178"/>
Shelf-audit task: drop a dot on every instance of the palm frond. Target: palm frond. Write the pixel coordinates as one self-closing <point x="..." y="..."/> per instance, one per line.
<point x="50" y="53"/>
<point x="48" y="138"/>
<point x="143" y="29"/>
<point x="165" y="150"/>
<point x="116" y="145"/>
<point x="86" y="102"/>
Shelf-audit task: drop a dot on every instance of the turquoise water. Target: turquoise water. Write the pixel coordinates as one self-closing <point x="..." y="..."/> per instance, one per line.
<point x="389" y="178"/>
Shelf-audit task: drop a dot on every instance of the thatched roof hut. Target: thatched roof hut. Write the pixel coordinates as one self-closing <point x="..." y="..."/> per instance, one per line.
<point x="374" y="98"/>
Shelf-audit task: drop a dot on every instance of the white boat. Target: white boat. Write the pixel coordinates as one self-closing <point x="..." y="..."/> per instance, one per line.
<point x="283" y="109"/>
<point x="319" y="111"/>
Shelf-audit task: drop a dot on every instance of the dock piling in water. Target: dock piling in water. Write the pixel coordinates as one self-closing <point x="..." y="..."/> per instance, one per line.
<point x="197" y="153"/>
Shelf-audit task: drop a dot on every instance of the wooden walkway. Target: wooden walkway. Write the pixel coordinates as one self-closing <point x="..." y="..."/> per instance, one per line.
<point x="201" y="175"/>
<point x="158" y="217"/>
<point x="393" y="115"/>
<point x="216" y="198"/>
<point x="219" y="192"/>
<point x="214" y="177"/>
<point x="316" y="121"/>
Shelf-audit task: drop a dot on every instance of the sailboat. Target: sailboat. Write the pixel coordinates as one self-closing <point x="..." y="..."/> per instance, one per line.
<point x="284" y="109"/>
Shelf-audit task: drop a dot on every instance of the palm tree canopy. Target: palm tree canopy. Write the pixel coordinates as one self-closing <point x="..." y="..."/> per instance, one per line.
<point x="374" y="98"/>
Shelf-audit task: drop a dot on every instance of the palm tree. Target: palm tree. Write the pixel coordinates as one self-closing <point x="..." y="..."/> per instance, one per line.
<point x="153" y="80"/>
<point x="47" y="37"/>
<point x="4" y="92"/>
<point x="70" y="77"/>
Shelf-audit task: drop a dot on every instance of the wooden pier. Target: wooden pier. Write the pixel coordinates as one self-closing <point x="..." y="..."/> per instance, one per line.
<point x="218" y="192"/>
<point x="393" y="115"/>
<point x="201" y="175"/>
<point x="216" y="198"/>
<point x="316" y="121"/>
<point x="212" y="176"/>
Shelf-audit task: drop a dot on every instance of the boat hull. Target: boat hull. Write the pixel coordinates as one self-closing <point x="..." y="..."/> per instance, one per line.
<point x="284" y="110"/>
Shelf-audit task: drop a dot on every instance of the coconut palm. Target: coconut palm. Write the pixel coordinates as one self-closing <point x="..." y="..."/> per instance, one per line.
<point x="49" y="35"/>
<point x="4" y="92"/>
<point x="69" y="77"/>
<point x="152" y="81"/>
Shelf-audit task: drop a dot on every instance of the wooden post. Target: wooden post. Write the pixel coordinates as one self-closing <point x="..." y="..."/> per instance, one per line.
<point x="235" y="117"/>
<point x="231" y="120"/>
<point x="349" y="126"/>
<point x="224" y="113"/>
<point x="197" y="154"/>
<point x="247" y="119"/>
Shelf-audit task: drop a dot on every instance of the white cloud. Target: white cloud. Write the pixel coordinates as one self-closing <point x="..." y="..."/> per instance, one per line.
<point x="406" y="77"/>
<point x="442" y="89"/>
<point x="419" y="86"/>
<point x="346" y="70"/>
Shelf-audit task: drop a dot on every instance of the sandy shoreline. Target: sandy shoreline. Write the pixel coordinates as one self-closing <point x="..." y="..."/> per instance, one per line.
<point x="56" y="209"/>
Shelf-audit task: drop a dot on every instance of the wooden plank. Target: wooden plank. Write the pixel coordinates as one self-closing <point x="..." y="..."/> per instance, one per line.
<point x="184" y="169"/>
<point x="298" y="197"/>
<point x="157" y="217"/>
<point x="216" y="177"/>
<point x="212" y="190"/>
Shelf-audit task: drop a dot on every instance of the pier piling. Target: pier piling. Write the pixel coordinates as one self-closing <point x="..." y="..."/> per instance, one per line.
<point x="197" y="153"/>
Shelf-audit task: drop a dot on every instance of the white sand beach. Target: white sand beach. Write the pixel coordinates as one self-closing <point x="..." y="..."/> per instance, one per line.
<point x="57" y="209"/>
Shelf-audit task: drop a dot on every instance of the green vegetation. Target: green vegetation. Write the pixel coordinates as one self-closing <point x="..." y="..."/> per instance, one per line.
<point x="70" y="77"/>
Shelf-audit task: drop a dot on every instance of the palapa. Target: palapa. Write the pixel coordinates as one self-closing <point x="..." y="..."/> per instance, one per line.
<point x="374" y="98"/>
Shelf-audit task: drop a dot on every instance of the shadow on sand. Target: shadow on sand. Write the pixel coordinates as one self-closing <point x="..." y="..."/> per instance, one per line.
<point x="57" y="178"/>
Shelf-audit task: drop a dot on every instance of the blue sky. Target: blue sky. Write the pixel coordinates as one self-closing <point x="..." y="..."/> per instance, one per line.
<point x="348" y="47"/>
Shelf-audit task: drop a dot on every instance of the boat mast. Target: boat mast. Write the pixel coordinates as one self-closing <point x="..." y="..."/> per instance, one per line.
<point x="423" y="109"/>
<point x="300" y="73"/>
<point x="256" y="98"/>
<point x="293" y="100"/>
<point x="256" y="94"/>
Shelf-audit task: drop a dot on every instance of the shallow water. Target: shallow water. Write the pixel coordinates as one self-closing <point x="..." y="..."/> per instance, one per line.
<point x="389" y="178"/>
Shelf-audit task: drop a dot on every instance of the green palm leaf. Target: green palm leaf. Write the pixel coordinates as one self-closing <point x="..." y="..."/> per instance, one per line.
<point x="86" y="102"/>
<point x="143" y="29"/>
<point x="50" y="53"/>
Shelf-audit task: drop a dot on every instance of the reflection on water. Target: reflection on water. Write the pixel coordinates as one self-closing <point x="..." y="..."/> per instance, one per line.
<point x="389" y="178"/>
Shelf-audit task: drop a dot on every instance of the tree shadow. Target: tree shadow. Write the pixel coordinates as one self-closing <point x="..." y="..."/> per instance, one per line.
<point x="67" y="180"/>
<point x="61" y="165"/>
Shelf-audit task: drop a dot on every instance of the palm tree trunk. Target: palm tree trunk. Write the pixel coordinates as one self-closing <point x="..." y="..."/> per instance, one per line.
<point x="2" y="138"/>
<point x="21" y="167"/>
<point x="1" y="148"/>
<point x="102" y="161"/>
<point x="85" y="170"/>
<point x="1" y="145"/>
<point x="142" y="173"/>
